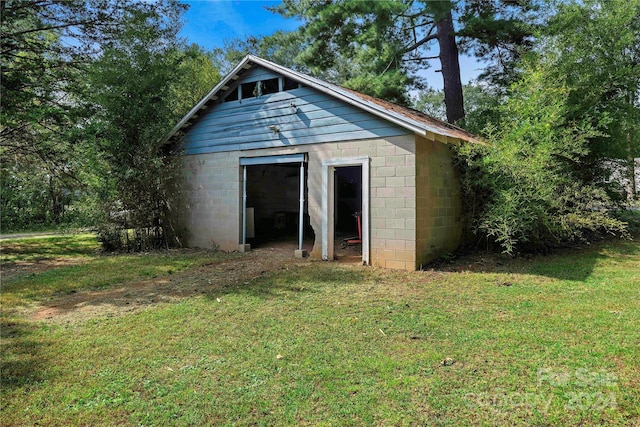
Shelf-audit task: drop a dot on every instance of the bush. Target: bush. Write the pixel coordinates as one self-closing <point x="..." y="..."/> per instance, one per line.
<point x="528" y="192"/>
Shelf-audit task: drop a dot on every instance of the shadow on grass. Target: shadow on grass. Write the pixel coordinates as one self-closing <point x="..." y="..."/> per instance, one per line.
<point x="575" y="264"/>
<point x="21" y="361"/>
<point x="257" y="274"/>
<point x="277" y="283"/>
<point x="47" y="247"/>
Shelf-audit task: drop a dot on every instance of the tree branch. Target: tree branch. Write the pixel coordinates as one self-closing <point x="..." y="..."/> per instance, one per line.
<point x="52" y="27"/>
<point x="420" y="42"/>
<point x="413" y="27"/>
<point x="424" y="58"/>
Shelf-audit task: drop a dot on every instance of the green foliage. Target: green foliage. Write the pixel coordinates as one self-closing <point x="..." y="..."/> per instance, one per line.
<point x="89" y="90"/>
<point x="143" y="83"/>
<point x="33" y="198"/>
<point x="542" y="183"/>
<point x="280" y="47"/>
<point x="53" y="172"/>
<point x="597" y="54"/>
<point x="480" y="104"/>
<point x="431" y="102"/>
<point x="379" y="47"/>
<point x="526" y="185"/>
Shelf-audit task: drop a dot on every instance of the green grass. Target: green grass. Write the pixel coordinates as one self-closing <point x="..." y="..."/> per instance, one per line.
<point x="549" y="341"/>
<point x="88" y="270"/>
<point x="48" y="247"/>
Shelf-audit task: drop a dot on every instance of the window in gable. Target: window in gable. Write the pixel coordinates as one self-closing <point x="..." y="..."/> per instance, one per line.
<point x="249" y="90"/>
<point x="232" y="96"/>
<point x="269" y="86"/>
<point x="289" y="84"/>
<point x="264" y="87"/>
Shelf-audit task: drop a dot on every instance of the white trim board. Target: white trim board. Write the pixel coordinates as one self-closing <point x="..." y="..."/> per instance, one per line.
<point x="328" y="201"/>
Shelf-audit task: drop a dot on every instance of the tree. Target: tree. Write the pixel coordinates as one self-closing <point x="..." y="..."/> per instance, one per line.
<point x="481" y="104"/>
<point x="141" y="84"/>
<point x="46" y="125"/>
<point x="598" y="56"/>
<point x="386" y="42"/>
<point x="575" y="108"/>
<point x="525" y="190"/>
<point x="280" y="47"/>
<point x="46" y="46"/>
<point x="89" y="89"/>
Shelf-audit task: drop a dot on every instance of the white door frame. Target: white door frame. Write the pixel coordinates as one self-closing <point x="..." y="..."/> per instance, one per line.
<point x="328" y="202"/>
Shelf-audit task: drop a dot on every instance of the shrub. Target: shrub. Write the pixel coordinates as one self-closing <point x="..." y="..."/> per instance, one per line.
<point x="528" y="192"/>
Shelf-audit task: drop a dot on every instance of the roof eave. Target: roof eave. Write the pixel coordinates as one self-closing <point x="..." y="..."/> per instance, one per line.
<point x="208" y="97"/>
<point x="440" y="135"/>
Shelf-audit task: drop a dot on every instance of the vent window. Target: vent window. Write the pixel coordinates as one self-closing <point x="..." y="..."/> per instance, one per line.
<point x="290" y="84"/>
<point x="233" y="96"/>
<point x="270" y="86"/>
<point x="264" y="87"/>
<point x="249" y="90"/>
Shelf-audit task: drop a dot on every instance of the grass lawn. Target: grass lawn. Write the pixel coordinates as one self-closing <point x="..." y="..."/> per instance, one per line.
<point x="229" y="339"/>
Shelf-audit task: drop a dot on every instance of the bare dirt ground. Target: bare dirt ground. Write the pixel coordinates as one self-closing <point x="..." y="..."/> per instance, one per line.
<point x="208" y="279"/>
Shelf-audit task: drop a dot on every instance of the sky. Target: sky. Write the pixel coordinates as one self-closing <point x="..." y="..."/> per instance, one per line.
<point x="210" y="22"/>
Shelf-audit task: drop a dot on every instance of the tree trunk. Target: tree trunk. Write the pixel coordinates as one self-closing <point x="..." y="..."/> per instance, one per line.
<point x="453" y="97"/>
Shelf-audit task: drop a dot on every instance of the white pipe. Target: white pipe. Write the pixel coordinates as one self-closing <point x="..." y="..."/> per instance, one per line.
<point x="244" y="205"/>
<point x="301" y="219"/>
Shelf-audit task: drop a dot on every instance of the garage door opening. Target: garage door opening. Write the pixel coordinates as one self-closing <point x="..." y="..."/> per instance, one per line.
<point x="275" y="212"/>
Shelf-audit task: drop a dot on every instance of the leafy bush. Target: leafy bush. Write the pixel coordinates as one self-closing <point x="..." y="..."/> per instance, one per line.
<point x="524" y="188"/>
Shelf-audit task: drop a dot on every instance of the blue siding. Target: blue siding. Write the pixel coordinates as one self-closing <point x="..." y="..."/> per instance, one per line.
<point x="314" y="117"/>
<point x="257" y="73"/>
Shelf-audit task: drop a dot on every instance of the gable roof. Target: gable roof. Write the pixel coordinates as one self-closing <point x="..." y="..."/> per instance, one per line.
<point x="410" y="119"/>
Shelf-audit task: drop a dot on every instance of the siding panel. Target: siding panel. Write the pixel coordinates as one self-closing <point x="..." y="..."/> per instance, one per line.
<point x="313" y="118"/>
<point x="257" y="73"/>
<point x="260" y="130"/>
<point x="334" y="137"/>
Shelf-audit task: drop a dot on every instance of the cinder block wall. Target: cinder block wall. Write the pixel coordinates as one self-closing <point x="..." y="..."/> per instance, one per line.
<point x="438" y="202"/>
<point x="392" y="196"/>
<point x="393" y="191"/>
<point x="211" y="199"/>
<point x="404" y="232"/>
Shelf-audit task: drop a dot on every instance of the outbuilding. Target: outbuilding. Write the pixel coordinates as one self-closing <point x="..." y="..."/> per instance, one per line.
<point x="271" y="153"/>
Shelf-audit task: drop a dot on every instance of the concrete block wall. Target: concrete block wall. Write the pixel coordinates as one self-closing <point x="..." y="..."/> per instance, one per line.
<point x="213" y="196"/>
<point x="415" y="206"/>
<point x="212" y="200"/>
<point x="438" y="201"/>
<point x="393" y="226"/>
<point x="392" y="193"/>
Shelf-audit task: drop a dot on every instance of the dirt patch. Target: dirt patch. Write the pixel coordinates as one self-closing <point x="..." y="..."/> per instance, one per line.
<point x="348" y="254"/>
<point x="209" y="279"/>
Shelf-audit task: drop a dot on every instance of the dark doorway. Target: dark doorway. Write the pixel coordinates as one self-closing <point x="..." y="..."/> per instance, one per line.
<point x="273" y="205"/>
<point x="348" y="209"/>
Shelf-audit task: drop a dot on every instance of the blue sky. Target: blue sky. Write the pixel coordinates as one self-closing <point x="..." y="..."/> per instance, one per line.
<point x="210" y="22"/>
